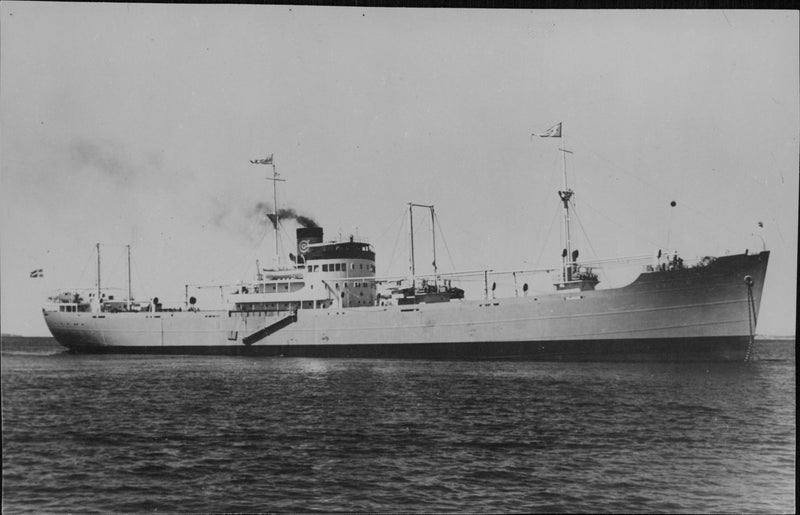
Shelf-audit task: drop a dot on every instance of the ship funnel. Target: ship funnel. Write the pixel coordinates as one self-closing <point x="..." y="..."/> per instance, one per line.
<point x="307" y="236"/>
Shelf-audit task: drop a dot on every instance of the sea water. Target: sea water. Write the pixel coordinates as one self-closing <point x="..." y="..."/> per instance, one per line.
<point x="85" y="434"/>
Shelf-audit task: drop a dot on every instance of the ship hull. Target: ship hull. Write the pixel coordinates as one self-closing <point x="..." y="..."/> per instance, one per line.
<point x="694" y="314"/>
<point x="732" y="348"/>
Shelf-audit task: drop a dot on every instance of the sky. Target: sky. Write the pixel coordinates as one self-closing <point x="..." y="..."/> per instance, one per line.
<point x="135" y="124"/>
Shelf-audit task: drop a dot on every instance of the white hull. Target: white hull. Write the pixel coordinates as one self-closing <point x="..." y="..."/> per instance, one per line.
<point x="709" y="304"/>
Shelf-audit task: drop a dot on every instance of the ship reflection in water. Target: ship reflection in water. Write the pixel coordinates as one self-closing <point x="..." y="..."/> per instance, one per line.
<point x="118" y="433"/>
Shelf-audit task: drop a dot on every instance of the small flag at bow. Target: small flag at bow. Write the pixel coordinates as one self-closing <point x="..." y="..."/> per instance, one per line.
<point x="37" y="273"/>
<point x="552" y="132"/>
<point x="266" y="161"/>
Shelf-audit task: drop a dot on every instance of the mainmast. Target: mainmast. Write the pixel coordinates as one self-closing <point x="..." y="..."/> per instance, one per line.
<point x="566" y="195"/>
<point x="269" y="160"/>
<point x="98" y="272"/>
<point x="275" y="181"/>
<point x="129" y="277"/>
<point x="571" y="276"/>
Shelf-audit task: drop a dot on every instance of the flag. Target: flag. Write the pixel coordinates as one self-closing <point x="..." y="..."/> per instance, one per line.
<point x="37" y="273"/>
<point x="552" y="132"/>
<point x="265" y="161"/>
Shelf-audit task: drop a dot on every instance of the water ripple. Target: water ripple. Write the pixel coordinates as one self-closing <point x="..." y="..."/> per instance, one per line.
<point x="196" y="434"/>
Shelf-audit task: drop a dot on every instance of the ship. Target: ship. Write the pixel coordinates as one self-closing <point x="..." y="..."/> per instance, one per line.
<point x="329" y="302"/>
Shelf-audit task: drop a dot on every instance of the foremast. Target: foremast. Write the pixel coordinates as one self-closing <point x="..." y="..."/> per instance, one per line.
<point x="572" y="276"/>
<point x="566" y="195"/>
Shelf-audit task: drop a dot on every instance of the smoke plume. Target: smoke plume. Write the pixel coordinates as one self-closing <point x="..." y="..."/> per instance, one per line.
<point x="284" y="214"/>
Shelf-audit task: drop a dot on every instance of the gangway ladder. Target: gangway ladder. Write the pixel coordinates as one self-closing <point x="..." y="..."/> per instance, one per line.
<point x="270" y="329"/>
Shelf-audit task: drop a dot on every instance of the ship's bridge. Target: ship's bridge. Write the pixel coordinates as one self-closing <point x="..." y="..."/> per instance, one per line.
<point x="326" y="275"/>
<point x="351" y="259"/>
<point x="311" y="248"/>
<point x="344" y="268"/>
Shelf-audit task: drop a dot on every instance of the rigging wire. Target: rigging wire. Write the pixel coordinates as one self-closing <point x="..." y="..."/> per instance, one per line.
<point x="627" y="228"/>
<point x="91" y="260"/>
<point x="87" y="262"/>
<point x="547" y="236"/>
<point x="143" y="282"/>
<point x="729" y="228"/>
<point x="114" y="266"/>
<point x="260" y="230"/>
<point x="458" y="280"/>
<point x="399" y="217"/>
<point x="616" y="167"/>
<point x="669" y="225"/>
<point x="585" y="234"/>
<point x="779" y="232"/>
<point x="446" y="248"/>
<point x="393" y="255"/>
<point x="423" y="227"/>
<point x="589" y="242"/>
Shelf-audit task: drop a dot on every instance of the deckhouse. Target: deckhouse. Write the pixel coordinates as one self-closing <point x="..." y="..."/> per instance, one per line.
<point x="338" y="274"/>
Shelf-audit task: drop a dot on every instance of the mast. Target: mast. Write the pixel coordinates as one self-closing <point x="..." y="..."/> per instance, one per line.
<point x="275" y="180"/>
<point x="566" y="195"/>
<point x="433" y="235"/>
<point x="98" y="272"/>
<point x="411" y="206"/>
<point x="411" y="226"/>
<point x="129" y="277"/>
<point x="269" y="160"/>
<point x="569" y="258"/>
